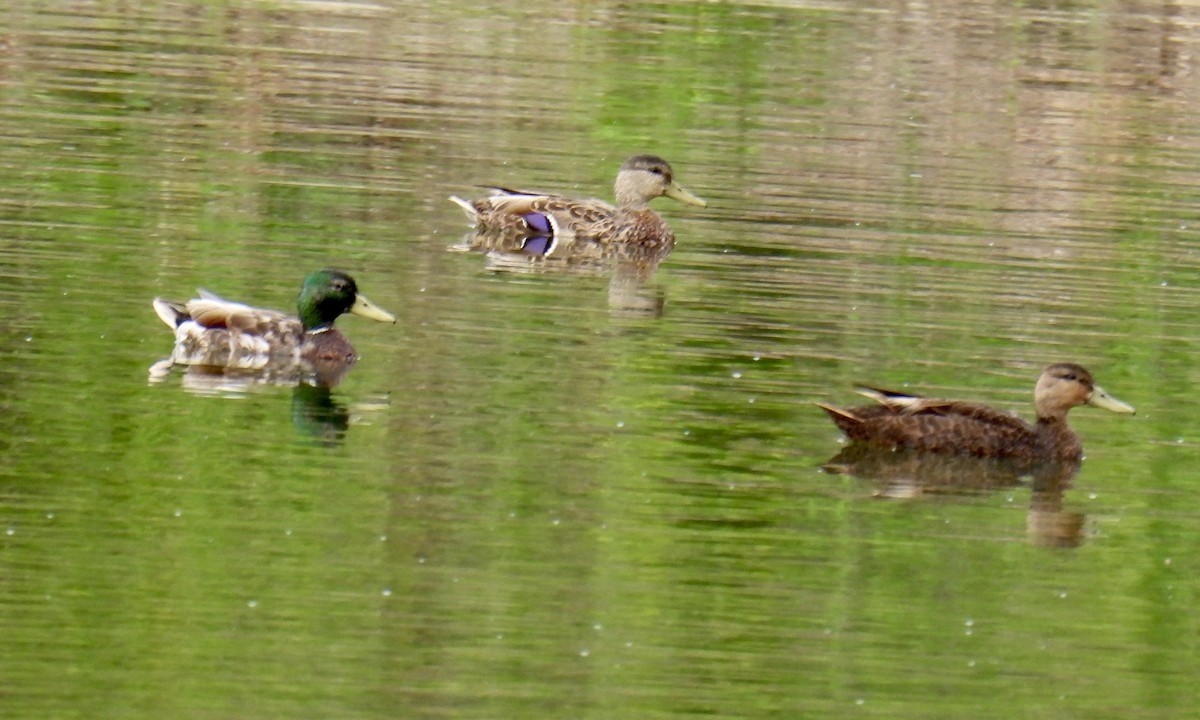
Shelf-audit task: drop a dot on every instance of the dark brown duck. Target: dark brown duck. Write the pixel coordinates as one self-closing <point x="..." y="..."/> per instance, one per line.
<point x="951" y="426"/>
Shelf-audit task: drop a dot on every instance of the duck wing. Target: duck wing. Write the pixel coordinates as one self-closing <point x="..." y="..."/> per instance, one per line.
<point x="563" y="208"/>
<point x="213" y="312"/>
<point x="933" y="425"/>
<point x="535" y="212"/>
<point x="907" y="404"/>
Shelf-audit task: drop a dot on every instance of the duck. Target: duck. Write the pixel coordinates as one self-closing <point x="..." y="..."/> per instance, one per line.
<point x="545" y="222"/>
<point x="900" y="420"/>
<point x="212" y="331"/>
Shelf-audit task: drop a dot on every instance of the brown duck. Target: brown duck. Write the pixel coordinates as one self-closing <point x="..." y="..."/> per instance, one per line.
<point x="557" y="220"/>
<point x="950" y="426"/>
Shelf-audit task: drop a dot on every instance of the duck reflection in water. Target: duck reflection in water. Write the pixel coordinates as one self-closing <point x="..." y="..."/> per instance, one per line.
<point x="224" y="380"/>
<point x="318" y="415"/>
<point x="908" y="474"/>
<point x="628" y="292"/>
<point x="915" y="445"/>
<point x="533" y="231"/>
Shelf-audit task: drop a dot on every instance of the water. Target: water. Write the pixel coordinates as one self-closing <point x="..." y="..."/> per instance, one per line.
<point x="539" y="495"/>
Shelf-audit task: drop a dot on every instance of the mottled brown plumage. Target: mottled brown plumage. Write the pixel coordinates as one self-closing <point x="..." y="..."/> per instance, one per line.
<point x="949" y="426"/>
<point x="215" y="332"/>
<point x="573" y="225"/>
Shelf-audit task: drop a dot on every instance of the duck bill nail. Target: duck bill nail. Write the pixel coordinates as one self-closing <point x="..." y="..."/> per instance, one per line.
<point x="368" y="309"/>
<point x="676" y="192"/>
<point x="1102" y="399"/>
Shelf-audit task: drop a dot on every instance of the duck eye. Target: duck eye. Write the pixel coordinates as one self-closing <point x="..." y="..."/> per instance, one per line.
<point x="657" y="170"/>
<point x="1070" y="376"/>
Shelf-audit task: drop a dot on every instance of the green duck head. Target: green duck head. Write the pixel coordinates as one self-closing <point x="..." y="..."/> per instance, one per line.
<point x="328" y="294"/>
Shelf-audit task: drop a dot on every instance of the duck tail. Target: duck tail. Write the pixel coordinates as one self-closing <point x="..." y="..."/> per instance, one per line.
<point x="468" y="208"/>
<point x="844" y="419"/>
<point x="172" y="313"/>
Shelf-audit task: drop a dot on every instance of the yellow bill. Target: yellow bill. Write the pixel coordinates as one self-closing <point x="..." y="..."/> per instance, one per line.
<point x="368" y="309"/>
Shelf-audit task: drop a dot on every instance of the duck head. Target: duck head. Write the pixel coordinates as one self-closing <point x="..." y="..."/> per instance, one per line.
<point x="1063" y="386"/>
<point x="645" y="177"/>
<point x="328" y="294"/>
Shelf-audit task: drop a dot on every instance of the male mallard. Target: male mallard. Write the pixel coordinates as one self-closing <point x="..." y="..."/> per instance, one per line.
<point x="554" y="218"/>
<point x="213" y="331"/>
<point x="949" y="426"/>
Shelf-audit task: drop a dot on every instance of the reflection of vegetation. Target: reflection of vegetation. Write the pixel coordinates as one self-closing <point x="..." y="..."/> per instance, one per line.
<point x="683" y="73"/>
<point x="561" y="509"/>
